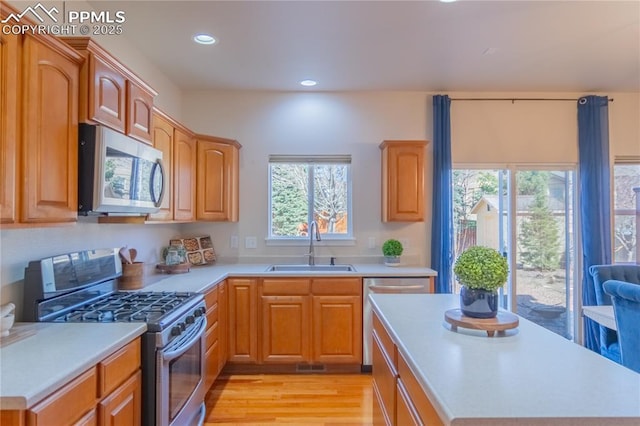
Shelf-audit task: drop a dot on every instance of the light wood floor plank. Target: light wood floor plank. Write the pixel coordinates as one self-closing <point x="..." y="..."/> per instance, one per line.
<point x="292" y="399"/>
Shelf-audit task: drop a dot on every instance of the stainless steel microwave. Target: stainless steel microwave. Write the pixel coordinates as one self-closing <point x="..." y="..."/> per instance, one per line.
<point x="117" y="174"/>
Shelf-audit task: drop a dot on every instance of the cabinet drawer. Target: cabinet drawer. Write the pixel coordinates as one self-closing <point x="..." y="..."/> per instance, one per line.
<point x="405" y="411"/>
<point x="285" y="287"/>
<point x="211" y="335"/>
<point x="211" y="298"/>
<point x="118" y="367"/>
<point x="123" y="406"/>
<point x="385" y="341"/>
<point x="416" y="394"/>
<point x="212" y="317"/>
<point x="337" y="286"/>
<point x="67" y="405"/>
<point x="384" y="381"/>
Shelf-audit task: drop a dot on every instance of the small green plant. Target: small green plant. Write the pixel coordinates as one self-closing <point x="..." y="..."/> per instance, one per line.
<point x="392" y="248"/>
<point x="481" y="268"/>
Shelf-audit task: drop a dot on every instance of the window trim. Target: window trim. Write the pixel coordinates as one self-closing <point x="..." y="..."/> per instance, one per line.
<point x="347" y="239"/>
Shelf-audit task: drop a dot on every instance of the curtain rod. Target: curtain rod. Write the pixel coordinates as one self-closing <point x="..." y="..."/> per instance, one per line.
<point x="518" y="99"/>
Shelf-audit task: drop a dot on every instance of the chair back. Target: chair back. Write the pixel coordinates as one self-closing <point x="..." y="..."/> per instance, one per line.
<point x="601" y="273"/>
<point x="626" y="307"/>
<point x="620" y="272"/>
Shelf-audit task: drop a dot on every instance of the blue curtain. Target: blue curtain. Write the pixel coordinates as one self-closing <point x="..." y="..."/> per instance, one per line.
<point x="442" y="207"/>
<point x="595" y="199"/>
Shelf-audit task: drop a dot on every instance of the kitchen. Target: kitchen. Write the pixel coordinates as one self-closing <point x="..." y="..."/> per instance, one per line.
<point x="328" y="123"/>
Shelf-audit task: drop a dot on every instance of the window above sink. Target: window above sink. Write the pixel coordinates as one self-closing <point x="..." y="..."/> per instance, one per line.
<point x="303" y="189"/>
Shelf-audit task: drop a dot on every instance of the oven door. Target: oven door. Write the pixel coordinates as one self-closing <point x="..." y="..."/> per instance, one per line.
<point x="180" y="378"/>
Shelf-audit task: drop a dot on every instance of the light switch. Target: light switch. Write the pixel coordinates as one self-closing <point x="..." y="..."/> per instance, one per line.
<point x="251" y="242"/>
<point x="233" y="242"/>
<point x="372" y="242"/>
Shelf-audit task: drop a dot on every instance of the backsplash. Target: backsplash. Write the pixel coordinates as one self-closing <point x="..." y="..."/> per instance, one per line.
<point x="19" y="246"/>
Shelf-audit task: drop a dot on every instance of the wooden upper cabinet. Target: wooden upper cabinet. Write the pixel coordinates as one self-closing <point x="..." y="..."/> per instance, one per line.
<point x="139" y="116"/>
<point x="49" y="167"/>
<point x="111" y="94"/>
<point x="9" y="106"/>
<point x="217" y="196"/>
<point x="403" y="181"/>
<point x="163" y="140"/>
<point x="106" y="103"/>
<point x="184" y="180"/>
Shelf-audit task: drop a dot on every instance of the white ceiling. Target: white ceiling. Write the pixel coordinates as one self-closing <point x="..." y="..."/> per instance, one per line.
<point x="583" y="46"/>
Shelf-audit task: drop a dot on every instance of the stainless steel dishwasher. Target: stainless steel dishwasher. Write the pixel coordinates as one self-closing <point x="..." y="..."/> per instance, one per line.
<point x="394" y="285"/>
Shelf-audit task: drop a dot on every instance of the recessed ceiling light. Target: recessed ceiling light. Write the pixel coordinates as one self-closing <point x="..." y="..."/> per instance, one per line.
<point x="308" y="83"/>
<point x="204" y="39"/>
<point x="447" y="1"/>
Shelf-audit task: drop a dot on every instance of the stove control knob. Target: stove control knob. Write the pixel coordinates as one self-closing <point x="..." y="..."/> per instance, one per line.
<point x="198" y="312"/>
<point x="190" y="319"/>
<point x="176" y="330"/>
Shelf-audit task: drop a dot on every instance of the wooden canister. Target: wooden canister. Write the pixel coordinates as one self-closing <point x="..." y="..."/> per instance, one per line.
<point x="132" y="276"/>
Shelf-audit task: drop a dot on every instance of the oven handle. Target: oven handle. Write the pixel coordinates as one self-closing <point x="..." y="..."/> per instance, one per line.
<point x="184" y="346"/>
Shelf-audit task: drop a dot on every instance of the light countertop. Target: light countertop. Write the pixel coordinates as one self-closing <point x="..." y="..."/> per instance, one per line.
<point x="200" y="278"/>
<point x="530" y="376"/>
<point x="37" y="365"/>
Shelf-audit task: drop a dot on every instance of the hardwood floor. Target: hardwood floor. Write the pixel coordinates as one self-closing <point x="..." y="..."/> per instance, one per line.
<point x="300" y="399"/>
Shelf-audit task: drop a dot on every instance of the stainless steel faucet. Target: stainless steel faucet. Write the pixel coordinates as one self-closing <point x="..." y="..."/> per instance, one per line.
<point x="312" y="256"/>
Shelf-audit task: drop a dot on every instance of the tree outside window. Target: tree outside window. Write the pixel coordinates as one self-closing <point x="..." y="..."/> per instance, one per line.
<point x="626" y="176"/>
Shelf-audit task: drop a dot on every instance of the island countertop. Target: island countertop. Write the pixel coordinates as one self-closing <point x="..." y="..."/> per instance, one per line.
<point x="530" y="376"/>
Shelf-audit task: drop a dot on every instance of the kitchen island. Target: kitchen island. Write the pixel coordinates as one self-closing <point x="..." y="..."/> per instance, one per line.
<point x="526" y="376"/>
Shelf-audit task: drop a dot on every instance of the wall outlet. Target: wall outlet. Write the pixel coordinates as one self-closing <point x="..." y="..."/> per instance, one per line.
<point x="372" y="242"/>
<point x="251" y="242"/>
<point x="234" y="241"/>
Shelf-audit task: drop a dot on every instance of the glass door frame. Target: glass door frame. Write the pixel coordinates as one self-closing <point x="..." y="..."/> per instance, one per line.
<point x="511" y="241"/>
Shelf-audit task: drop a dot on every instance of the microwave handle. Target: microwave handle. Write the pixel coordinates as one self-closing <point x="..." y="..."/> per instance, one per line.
<point x="158" y="200"/>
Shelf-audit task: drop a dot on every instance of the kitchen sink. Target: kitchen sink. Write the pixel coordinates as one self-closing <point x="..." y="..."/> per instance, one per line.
<point x="311" y="268"/>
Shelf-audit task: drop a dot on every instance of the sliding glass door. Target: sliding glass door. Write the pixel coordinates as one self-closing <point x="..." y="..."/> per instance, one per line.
<point x="527" y="215"/>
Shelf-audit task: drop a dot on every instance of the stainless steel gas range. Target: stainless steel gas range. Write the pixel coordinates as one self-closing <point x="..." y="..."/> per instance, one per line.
<point x="82" y="287"/>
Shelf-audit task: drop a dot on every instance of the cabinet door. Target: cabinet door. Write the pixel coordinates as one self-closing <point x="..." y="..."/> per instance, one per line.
<point x="139" y="112"/>
<point x="403" y="181"/>
<point x="285" y="329"/>
<point x="184" y="176"/>
<point x="217" y="181"/>
<point x="106" y="101"/>
<point x="163" y="140"/>
<point x="337" y="329"/>
<point x="243" y="320"/>
<point x="9" y="68"/>
<point x="50" y="135"/>
<point x="122" y="406"/>
<point x="223" y="333"/>
<point x="384" y="383"/>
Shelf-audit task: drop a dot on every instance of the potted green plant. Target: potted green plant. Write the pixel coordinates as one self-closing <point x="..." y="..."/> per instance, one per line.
<point x="392" y="249"/>
<point x="481" y="271"/>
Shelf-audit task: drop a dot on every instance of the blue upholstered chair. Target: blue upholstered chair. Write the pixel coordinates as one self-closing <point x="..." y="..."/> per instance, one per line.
<point x="629" y="273"/>
<point x="626" y="308"/>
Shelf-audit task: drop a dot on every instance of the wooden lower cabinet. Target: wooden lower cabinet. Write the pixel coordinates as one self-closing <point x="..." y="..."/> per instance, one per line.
<point x="123" y="406"/>
<point x="243" y="320"/>
<point x="107" y="394"/>
<point x="223" y="335"/>
<point x="311" y="320"/>
<point x="214" y="359"/>
<point x="398" y="398"/>
<point x="286" y="320"/>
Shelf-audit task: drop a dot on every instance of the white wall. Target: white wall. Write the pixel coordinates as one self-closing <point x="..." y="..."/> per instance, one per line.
<point x="313" y="123"/>
<point x="356" y="122"/>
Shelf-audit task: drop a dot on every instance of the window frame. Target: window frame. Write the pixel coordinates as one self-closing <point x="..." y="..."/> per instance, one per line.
<point x="312" y="161"/>
<point x="621" y="161"/>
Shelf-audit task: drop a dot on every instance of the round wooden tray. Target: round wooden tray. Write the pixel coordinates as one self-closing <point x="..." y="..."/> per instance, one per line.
<point x="503" y="321"/>
<point x="174" y="269"/>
